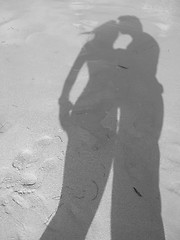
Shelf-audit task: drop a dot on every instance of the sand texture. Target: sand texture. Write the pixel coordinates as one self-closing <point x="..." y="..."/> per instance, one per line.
<point x="89" y="120"/>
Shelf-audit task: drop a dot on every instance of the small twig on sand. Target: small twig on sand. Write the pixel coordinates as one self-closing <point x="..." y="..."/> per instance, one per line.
<point x="137" y="192"/>
<point x="97" y="191"/>
<point x="120" y="66"/>
<point x="59" y="138"/>
<point x="48" y="218"/>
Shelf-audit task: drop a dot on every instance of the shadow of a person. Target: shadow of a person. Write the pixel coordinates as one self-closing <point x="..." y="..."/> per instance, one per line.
<point x="118" y="80"/>
<point x="136" y="204"/>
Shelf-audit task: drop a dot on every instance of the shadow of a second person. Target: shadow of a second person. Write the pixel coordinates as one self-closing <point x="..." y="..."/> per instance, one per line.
<point x="116" y="121"/>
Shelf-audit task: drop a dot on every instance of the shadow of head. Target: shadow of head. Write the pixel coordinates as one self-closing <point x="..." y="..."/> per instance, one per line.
<point x="106" y="33"/>
<point x="129" y="25"/>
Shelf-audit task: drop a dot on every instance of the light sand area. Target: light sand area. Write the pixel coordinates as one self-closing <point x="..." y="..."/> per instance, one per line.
<point x="111" y="169"/>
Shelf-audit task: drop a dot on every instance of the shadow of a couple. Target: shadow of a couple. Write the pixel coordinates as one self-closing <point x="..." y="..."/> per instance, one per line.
<point x="115" y="122"/>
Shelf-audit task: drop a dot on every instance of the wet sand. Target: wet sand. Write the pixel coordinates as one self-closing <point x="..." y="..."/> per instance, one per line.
<point x="65" y="180"/>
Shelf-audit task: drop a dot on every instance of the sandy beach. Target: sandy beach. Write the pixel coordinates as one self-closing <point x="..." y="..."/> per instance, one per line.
<point x="89" y="120"/>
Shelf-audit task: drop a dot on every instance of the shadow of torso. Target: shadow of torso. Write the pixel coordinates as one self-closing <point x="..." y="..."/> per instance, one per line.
<point x="100" y="93"/>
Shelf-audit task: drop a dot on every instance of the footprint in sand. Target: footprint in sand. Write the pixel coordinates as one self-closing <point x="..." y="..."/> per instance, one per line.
<point x="28" y="189"/>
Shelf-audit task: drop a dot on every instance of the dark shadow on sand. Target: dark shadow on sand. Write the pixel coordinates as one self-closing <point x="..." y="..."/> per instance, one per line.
<point x="116" y="121"/>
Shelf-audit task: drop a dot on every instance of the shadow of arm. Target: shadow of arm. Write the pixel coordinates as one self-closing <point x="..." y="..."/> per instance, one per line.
<point x="64" y="102"/>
